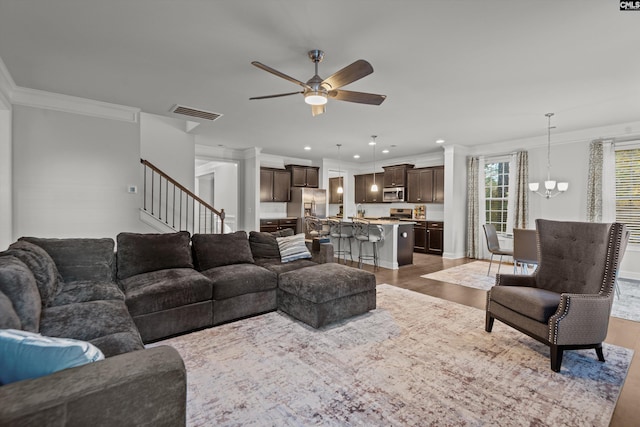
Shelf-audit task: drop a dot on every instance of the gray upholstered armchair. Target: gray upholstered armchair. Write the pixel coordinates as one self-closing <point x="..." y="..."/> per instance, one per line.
<point x="566" y="303"/>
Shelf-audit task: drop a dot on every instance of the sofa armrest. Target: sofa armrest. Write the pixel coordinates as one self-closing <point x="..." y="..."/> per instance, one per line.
<point x="515" y="280"/>
<point x="144" y="387"/>
<point x="580" y="319"/>
<point x="322" y="255"/>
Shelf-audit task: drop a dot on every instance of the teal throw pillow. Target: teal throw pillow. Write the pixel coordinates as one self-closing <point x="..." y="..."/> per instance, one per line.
<point x="25" y="355"/>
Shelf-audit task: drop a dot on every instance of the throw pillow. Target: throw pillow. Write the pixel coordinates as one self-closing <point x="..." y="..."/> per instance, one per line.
<point x="25" y="355"/>
<point x="41" y="265"/>
<point x="215" y="250"/>
<point x="19" y="285"/>
<point x="264" y="244"/>
<point x="292" y="248"/>
<point x="142" y="253"/>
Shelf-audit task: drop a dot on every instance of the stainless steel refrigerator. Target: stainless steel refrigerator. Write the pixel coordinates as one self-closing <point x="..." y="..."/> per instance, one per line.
<point x="307" y="202"/>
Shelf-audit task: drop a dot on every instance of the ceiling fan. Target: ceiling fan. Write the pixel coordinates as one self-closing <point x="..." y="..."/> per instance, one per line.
<point x="316" y="90"/>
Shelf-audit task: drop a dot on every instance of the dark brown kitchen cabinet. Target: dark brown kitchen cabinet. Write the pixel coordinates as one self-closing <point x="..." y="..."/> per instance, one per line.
<point x="334" y="196"/>
<point x="420" y="185"/>
<point x="435" y="237"/>
<point x="272" y="225"/>
<point x="420" y="237"/>
<point x="395" y="176"/>
<point x="304" y="176"/>
<point x="438" y="185"/>
<point x="425" y="185"/>
<point x="275" y="185"/>
<point x="363" y="193"/>
<point x="360" y="189"/>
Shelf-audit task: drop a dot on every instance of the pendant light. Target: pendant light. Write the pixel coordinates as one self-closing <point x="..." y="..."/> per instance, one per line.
<point x="549" y="184"/>
<point x="374" y="187"/>
<point x="340" y="190"/>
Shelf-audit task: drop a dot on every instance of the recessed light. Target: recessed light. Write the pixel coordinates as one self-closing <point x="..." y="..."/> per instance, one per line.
<point x="439" y="141"/>
<point x="385" y="151"/>
<point x="356" y="156"/>
<point x="307" y="148"/>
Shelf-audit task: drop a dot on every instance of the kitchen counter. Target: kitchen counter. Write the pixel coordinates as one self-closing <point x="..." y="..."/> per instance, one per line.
<point x="392" y="252"/>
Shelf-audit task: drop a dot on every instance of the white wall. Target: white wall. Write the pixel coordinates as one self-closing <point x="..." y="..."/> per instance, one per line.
<point x="71" y="173"/>
<point x="165" y="143"/>
<point x="6" y="225"/>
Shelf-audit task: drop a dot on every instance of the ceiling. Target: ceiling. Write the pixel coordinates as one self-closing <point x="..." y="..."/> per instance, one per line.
<point x="466" y="71"/>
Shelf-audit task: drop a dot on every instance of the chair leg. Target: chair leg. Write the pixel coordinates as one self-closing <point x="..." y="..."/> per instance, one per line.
<point x="599" y="352"/>
<point x="360" y="254"/>
<point x="499" y="264"/>
<point x="376" y="261"/>
<point x="556" y="357"/>
<point x="350" y="251"/>
<point x="490" y="261"/>
<point x="488" y="322"/>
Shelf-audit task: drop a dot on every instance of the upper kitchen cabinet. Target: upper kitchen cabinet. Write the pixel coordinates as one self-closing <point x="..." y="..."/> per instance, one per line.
<point x="275" y="185"/>
<point x="363" y="193"/>
<point x="396" y="176"/>
<point x="334" y="196"/>
<point x="425" y="185"/>
<point x="304" y="176"/>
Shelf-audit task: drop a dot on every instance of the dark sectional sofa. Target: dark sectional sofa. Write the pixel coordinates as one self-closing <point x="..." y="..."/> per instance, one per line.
<point x="153" y="287"/>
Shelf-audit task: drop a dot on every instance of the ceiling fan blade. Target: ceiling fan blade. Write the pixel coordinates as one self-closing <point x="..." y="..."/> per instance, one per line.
<point x="316" y="110"/>
<point x="277" y="95"/>
<point x="279" y="74"/>
<point x="348" y="74"/>
<point x="359" y="97"/>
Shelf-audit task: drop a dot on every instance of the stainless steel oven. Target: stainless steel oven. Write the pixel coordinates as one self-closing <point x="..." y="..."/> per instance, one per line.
<point x="393" y="194"/>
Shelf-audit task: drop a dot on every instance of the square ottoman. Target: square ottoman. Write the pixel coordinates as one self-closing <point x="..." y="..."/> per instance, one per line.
<point x="326" y="293"/>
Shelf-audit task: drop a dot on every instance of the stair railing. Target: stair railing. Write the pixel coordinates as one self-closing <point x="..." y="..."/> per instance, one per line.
<point x="171" y="203"/>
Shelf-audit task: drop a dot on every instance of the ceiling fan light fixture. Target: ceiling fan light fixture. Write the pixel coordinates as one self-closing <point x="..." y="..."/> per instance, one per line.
<point x="315" y="98"/>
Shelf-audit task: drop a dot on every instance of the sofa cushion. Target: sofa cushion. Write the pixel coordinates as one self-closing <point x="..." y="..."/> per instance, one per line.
<point x="25" y="355"/>
<point x="215" y="250"/>
<point x="83" y="291"/>
<point x="264" y="244"/>
<point x="142" y="253"/>
<point x="537" y="304"/>
<point x="165" y="289"/>
<point x="18" y="285"/>
<point x="8" y="317"/>
<point x="41" y="265"/>
<point x="88" y="321"/>
<point x="292" y="248"/>
<point x="278" y="267"/>
<point x="240" y="279"/>
<point x="118" y="343"/>
<point x="80" y="258"/>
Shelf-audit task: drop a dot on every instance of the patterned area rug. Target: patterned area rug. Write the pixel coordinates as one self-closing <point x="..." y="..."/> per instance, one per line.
<point x="415" y="360"/>
<point x="626" y="304"/>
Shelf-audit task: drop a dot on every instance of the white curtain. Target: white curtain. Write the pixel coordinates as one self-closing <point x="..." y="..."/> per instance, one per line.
<point x="601" y="182"/>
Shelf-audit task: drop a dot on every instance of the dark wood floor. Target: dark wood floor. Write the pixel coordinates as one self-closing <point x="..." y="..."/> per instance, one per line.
<point x="624" y="333"/>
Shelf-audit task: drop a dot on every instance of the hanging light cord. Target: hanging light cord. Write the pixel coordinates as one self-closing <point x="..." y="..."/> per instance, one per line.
<point x="549" y="127"/>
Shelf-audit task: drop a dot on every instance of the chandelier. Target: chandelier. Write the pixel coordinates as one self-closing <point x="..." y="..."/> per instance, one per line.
<point x="549" y="185"/>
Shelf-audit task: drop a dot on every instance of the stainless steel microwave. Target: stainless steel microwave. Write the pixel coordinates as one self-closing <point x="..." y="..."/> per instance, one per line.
<point x="393" y="194"/>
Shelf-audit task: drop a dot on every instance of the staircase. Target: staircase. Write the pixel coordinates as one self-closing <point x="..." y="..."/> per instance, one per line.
<point x="168" y="206"/>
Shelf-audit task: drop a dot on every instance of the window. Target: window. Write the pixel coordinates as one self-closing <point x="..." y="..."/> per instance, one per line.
<point x="496" y="185"/>
<point x="628" y="191"/>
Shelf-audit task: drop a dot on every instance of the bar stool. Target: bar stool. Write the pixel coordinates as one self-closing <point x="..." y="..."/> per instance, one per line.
<point x="365" y="232"/>
<point x="314" y="228"/>
<point x="341" y="230"/>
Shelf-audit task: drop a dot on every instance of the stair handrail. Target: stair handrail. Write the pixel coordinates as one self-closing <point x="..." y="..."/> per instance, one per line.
<point x="188" y="192"/>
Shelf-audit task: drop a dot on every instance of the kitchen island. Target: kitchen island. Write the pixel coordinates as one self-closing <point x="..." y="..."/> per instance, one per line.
<point x="394" y="251"/>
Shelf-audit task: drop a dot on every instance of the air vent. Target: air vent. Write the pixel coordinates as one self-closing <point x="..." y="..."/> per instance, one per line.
<point x="193" y="112"/>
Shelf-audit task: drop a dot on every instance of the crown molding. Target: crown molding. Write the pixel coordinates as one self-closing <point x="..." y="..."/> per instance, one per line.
<point x="73" y="104"/>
